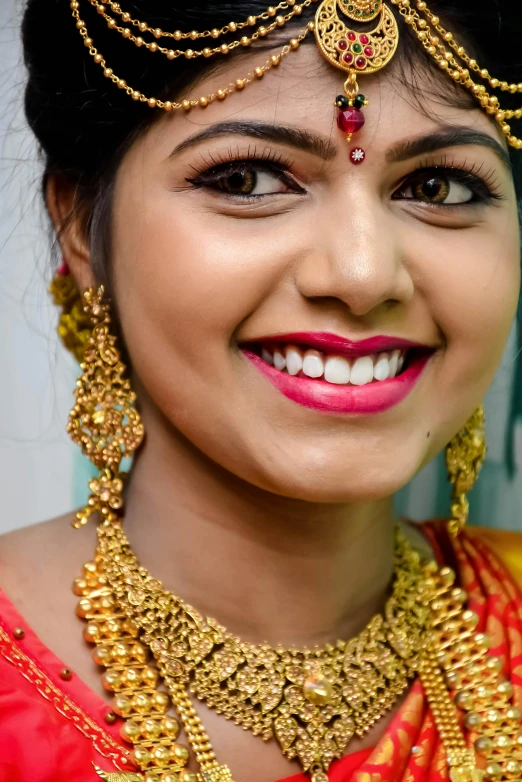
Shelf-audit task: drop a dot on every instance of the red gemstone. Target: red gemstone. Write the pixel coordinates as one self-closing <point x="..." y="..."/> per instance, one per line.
<point x="360" y="62"/>
<point x="348" y="58"/>
<point x="368" y="51"/>
<point x="352" y="36"/>
<point x="343" y="45"/>
<point x="350" y="121"/>
<point x="364" y="39"/>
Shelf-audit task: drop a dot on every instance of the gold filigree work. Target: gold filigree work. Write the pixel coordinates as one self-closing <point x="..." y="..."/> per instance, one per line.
<point x="464" y="458"/>
<point x="104" y="421"/>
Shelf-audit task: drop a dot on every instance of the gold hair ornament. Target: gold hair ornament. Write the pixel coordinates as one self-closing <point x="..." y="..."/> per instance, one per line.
<point x="358" y="52"/>
<point x="464" y="458"/>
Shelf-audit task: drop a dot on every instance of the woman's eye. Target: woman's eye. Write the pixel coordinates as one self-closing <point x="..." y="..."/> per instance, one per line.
<point x="436" y="189"/>
<point x="246" y="180"/>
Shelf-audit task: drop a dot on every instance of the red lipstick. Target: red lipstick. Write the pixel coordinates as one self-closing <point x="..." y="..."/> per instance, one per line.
<point x="318" y="394"/>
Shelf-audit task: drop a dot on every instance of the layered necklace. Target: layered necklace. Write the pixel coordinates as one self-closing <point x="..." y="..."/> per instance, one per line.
<point x="160" y="655"/>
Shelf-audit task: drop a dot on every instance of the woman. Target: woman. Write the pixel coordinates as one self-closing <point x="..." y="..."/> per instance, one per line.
<point x="302" y="324"/>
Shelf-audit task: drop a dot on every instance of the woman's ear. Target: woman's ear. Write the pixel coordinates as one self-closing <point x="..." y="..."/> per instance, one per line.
<point x="61" y="200"/>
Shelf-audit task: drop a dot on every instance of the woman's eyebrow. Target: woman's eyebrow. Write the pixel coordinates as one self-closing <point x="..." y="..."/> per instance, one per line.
<point x="447" y="136"/>
<point x="320" y="146"/>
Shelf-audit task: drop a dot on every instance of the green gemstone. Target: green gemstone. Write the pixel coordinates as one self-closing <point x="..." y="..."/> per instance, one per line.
<point x="357" y="13"/>
<point x="357" y="48"/>
<point x="359" y="101"/>
<point x="350" y="7"/>
<point x="341" y="102"/>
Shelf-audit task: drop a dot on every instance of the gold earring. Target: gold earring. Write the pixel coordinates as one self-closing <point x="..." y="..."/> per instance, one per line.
<point x="104" y="421"/>
<point x="465" y="456"/>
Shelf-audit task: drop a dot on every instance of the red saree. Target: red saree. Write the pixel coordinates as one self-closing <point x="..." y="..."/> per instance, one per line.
<point x="53" y="730"/>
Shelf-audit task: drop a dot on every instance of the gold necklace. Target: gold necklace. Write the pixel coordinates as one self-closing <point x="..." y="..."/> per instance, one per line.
<point x="312" y="700"/>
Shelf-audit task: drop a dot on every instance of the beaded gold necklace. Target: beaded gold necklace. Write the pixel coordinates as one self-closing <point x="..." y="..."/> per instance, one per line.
<point x="157" y="651"/>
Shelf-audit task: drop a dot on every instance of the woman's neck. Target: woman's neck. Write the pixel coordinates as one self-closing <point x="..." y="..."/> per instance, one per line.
<point x="268" y="567"/>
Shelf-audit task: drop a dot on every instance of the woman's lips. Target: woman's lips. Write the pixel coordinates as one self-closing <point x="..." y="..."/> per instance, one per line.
<point x="303" y="384"/>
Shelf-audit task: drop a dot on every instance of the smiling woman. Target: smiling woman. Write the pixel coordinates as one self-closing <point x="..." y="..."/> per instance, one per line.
<point x="287" y="296"/>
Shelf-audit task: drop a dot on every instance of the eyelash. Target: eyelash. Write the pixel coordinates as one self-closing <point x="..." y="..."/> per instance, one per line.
<point x="213" y="170"/>
<point x="483" y="185"/>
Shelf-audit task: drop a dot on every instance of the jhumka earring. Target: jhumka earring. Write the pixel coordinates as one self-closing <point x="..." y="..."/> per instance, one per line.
<point x="465" y="456"/>
<point x="104" y="421"/>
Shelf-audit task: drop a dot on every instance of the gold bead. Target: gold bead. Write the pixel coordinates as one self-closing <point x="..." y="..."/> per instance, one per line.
<point x="271" y="11"/>
<point x="143" y="26"/>
<point x="153" y="47"/>
<point x="111" y="680"/>
<point x="189" y="54"/>
<point x="121" y="84"/>
<point x="112" y="23"/>
<point x="431" y="50"/>
<point x="130" y="731"/>
<point x="151" y="776"/>
<point x="160" y="701"/>
<point x="298" y="10"/>
<point x="19" y="633"/>
<point x="170" y="726"/>
<point x="203" y="101"/>
<point x="141" y="703"/>
<point x="126" y="16"/>
<point x="178" y="35"/>
<point x="472" y="720"/>
<point x="207" y="52"/>
<point x="66" y="674"/>
<point x="275" y="59"/>
<point x="110" y="718"/>
<point x="244" y="41"/>
<point x="505" y="688"/>
<point x="88" y="42"/>
<point x="160" y="756"/>
<point x="514" y="713"/>
<point x="232" y="27"/>
<point x="493" y="770"/>
<point x="294" y="44"/>
<point x="262" y="31"/>
<point x="168" y="777"/>
<point x="444" y="64"/>
<point x="483" y="745"/>
<point x="158" y="32"/>
<point x="513" y="768"/>
<point x="141" y="756"/>
<point x="240" y="83"/>
<point x="126" y="33"/>
<point x="221" y="94"/>
<point x="188" y="776"/>
<point x="259" y="73"/>
<point x="224" y="48"/>
<point x="171" y="54"/>
<point x="251" y="20"/>
<point x="280" y="21"/>
<point x="463" y="700"/>
<point x="179" y="752"/>
<point x="448" y="36"/>
<point x="79" y="586"/>
<point x="122" y="705"/>
<point x="186" y="105"/>
<point x="136" y="95"/>
<point x="150" y="728"/>
<point x="421" y="5"/>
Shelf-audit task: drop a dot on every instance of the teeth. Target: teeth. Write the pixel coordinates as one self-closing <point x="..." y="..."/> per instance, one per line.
<point x="313" y="364"/>
<point x="337" y="370"/>
<point x="381" y="370"/>
<point x="362" y="371"/>
<point x="394" y="363"/>
<point x="294" y="360"/>
<point x="267" y="356"/>
<point x="279" y="360"/>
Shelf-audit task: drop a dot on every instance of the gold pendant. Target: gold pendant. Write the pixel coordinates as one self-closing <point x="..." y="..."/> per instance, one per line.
<point x="118" y="776"/>
<point x="364" y="52"/>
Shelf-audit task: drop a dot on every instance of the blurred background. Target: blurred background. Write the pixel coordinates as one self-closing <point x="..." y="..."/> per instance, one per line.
<point x="41" y="473"/>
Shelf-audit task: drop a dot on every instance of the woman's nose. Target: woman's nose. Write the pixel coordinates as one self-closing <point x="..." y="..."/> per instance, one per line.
<point x="355" y="256"/>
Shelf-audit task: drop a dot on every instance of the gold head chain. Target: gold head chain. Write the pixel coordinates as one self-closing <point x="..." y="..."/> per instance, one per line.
<point x="355" y="51"/>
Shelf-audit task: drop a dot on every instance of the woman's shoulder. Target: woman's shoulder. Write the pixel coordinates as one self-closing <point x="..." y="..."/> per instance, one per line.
<point x="39" y="563"/>
<point x="506" y="545"/>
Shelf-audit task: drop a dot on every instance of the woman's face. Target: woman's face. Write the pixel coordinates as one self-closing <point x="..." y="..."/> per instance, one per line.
<point x="244" y="235"/>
